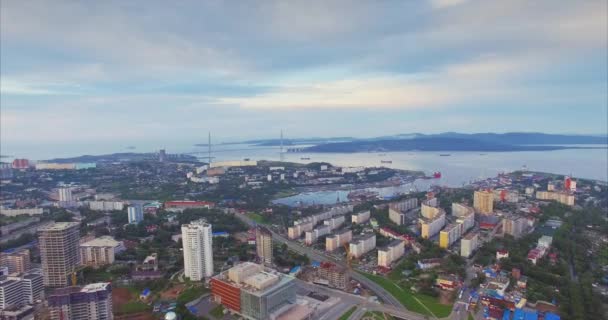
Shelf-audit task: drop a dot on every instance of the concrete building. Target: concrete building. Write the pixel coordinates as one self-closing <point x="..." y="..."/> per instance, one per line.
<point x="106" y="205"/>
<point x="432" y="219"/>
<point x="312" y="236"/>
<point x="296" y="231"/>
<point x="336" y="276"/>
<point x="338" y="239"/>
<point x="253" y="292"/>
<point x="468" y="244"/>
<point x="515" y="226"/>
<point x="397" y="210"/>
<point x="483" y="201"/>
<point x="136" y="214"/>
<point x="263" y="243"/>
<point x="99" y="251"/>
<point x="16" y="261"/>
<point x="449" y="235"/>
<point x="92" y="302"/>
<point x="504" y="195"/>
<point x="390" y="253"/>
<point x="19" y="212"/>
<point x="561" y="197"/>
<point x="362" y="245"/>
<point x="360" y="217"/>
<point x="335" y="222"/>
<point x="58" y="243"/>
<point x="18" y="291"/>
<point x="65" y="194"/>
<point x="198" y="250"/>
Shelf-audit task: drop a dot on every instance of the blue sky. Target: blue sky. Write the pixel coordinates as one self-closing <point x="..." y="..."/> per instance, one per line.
<point x="104" y="71"/>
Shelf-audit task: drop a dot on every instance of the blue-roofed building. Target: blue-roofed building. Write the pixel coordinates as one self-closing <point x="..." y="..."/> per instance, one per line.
<point x="145" y="294"/>
<point x="315" y="264"/>
<point x="222" y="234"/>
<point x="551" y="316"/>
<point x="295" y="270"/>
<point x="518" y="315"/>
<point x="530" y="315"/>
<point x="506" y="315"/>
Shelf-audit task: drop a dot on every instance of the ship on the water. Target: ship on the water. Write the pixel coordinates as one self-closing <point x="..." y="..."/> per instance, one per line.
<point x="386" y="161"/>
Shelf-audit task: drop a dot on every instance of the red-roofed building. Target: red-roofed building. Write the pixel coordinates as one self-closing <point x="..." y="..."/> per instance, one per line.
<point x="186" y="204"/>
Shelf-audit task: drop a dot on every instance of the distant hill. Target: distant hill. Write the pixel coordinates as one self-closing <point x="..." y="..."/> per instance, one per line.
<point x="441" y="143"/>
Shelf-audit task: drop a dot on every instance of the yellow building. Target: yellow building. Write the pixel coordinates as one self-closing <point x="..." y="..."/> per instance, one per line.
<point x="449" y="235"/>
<point x="483" y="201"/>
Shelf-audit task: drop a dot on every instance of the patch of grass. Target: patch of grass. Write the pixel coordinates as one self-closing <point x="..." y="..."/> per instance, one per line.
<point x="256" y="217"/>
<point x="191" y="294"/>
<point x="470" y="317"/>
<point x="412" y="301"/>
<point x="217" y="312"/>
<point x="347" y="314"/>
<point x="134" y="307"/>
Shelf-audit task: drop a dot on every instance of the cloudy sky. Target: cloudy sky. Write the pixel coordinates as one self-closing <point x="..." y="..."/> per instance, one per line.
<point x="103" y="71"/>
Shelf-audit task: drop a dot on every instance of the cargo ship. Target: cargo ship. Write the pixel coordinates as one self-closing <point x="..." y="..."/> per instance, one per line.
<point x="386" y="161"/>
<point x="437" y="175"/>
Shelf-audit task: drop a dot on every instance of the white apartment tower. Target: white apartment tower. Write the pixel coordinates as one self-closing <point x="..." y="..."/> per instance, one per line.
<point x="198" y="250"/>
<point x="263" y="243"/>
<point x="65" y="194"/>
<point x="58" y="245"/>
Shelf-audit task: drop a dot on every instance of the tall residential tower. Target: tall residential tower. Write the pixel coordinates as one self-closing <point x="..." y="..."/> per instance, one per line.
<point x="198" y="250"/>
<point x="263" y="243"/>
<point x="58" y="244"/>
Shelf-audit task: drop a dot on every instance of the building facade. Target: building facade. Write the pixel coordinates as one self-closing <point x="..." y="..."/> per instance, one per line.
<point x="93" y="302"/>
<point x="16" y="261"/>
<point x="99" y="251"/>
<point x="468" y="244"/>
<point x="397" y="210"/>
<point x="391" y="253"/>
<point x="198" y="251"/>
<point x="338" y="239"/>
<point x="135" y="213"/>
<point x="483" y="201"/>
<point x="263" y="243"/>
<point x="253" y="292"/>
<point x="58" y="243"/>
<point x="362" y="245"/>
<point x="360" y="217"/>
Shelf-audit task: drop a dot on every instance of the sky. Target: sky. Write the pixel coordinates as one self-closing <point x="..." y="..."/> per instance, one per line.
<point x="81" y="73"/>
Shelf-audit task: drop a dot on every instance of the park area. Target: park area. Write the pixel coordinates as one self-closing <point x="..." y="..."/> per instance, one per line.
<point x="413" y="301"/>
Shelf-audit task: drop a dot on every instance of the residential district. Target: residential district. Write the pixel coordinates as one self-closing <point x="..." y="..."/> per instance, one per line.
<point x="162" y="236"/>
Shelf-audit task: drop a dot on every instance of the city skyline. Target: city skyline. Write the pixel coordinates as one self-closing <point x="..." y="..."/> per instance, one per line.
<point x="322" y="69"/>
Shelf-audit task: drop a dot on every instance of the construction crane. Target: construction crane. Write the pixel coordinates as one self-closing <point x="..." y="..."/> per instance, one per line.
<point x="349" y="258"/>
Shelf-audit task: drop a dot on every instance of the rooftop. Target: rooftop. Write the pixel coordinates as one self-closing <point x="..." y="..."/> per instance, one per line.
<point x="59" y="226"/>
<point x="105" y="241"/>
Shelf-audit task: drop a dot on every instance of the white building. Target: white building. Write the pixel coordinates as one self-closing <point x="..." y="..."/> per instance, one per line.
<point x="392" y="252"/>
<point x="65" y="194"/>
<point x="360" y="217"/>
<point x="468" y="244"/>
<point x="397" y="210"/>
<point x="198" y="250"/>
<point x="136" y="214"/>
<point x="337" y="240"/>
<point x="362" y="245"/>
<point x="21" y="290"/>
<point x="312" y="236"/>
<point x="106" y="205"/>
<point x="99" y="251"/>
<point x="334" y="222"/>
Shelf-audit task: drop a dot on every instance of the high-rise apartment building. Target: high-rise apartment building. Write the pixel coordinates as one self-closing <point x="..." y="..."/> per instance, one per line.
<point x="58" y="244"/>
<point x="338" y="239"/>
<point x="362" y="245"/>
<point x="198" y="250"/>
<point x="136" y="214"/>
<point x="65" y="194"/>
<point x="397" y="210"/>
<point x="360" y="217"/>
<point x="91" y="302"/>
<point x="483" y="201"/>
<point x="263" y="243"/>
<point x="390" y="253"/>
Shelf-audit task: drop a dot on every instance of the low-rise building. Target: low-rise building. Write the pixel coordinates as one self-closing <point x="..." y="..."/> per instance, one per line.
<point x="559" y="196"/>
<point x="100" y="251"/>
<point x="254" y="292"/>
<point x="16" y="261"/>
<point x="336" y="276"/>
<point x="448" y="282"/>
